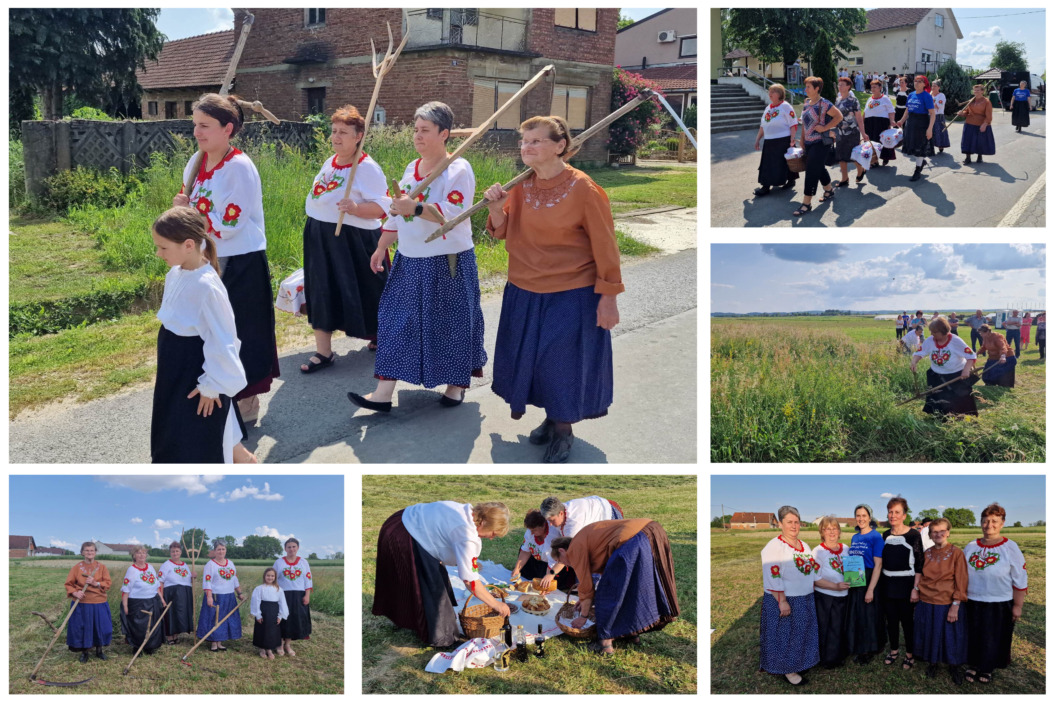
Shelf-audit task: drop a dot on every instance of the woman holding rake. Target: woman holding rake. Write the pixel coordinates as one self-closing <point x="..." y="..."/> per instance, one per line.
<point x="176" y="578"/>
<point x="141" y="602"/>
<point x="90" y="625"/>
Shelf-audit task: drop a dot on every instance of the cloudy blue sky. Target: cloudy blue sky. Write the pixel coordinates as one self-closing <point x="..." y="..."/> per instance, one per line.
<point x="1021" y="496"/>
<point x="983" y="27"/>
<point x="804" y="277"/>
<point x="152" y="509"/>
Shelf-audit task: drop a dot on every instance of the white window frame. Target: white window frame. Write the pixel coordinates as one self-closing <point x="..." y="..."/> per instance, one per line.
<point x="318" y="22"/>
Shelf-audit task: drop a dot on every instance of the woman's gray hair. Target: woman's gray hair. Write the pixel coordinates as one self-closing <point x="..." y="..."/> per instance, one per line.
<point x="551" y="506"/>
<point x="137" y="548"/>
<point x="788" y="510"/>
<point x="438" y="113"/>
<point x="218" y="542"/>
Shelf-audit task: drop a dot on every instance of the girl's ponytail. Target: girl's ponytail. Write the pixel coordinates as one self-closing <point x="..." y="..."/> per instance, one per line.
<point x="182" y="223"/>
<point x="211" y="255"/>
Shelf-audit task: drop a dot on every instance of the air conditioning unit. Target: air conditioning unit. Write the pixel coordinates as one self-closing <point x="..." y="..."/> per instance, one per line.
<point x="669" y="35"/>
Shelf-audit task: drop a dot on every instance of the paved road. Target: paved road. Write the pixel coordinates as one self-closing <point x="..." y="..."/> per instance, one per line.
<point x="308" y="419"/>
<point x="951" y="194"/>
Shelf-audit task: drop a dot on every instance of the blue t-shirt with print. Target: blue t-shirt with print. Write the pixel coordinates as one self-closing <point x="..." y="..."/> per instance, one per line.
<point x="920" y="103"/>
<point x="868" y="546"/>
<point x="1021" y="94"/>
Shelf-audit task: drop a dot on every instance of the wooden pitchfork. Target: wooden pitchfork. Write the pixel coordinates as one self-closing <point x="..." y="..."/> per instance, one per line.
<point x="575" y="146"/>
<point x="33" y="676"/>
<point x="150" y="631"/>
<point x="193" y="554"/>
<point x="379" y="70"/>
<point x="184" y="659"/>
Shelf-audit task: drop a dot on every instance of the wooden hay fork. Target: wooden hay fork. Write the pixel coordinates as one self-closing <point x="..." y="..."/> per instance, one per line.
<point x="36" y="669"/>
<point x="379" y="70"/>
<point x="205" y="637"/>
<point x="147" y="637"/>
<point x="193" y="553"/>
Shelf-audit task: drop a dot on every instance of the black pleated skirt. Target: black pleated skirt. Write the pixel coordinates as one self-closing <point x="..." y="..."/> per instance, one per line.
<point x="772" y="168"/>
<point x="954" y="399"/>
<point x="178" y="433"/>
<point x="341" y="291"/>
<point x="916" y="143"/>
<point x="831" y="618"/>
<point x="299" y="622"/>
<point x="1020" y="114"/>
<point x="864" y="624"/>
<point x="989" y="634"/>
<point x="875" y="127"/>
<point x="267" y="632"/>
<point x="249" y="285"/>
<point x="181" y="615"/>
<point x="135" y="624"/>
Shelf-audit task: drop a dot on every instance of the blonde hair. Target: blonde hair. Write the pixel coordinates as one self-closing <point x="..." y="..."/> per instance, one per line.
<point x="555" y="125"/>
<point x="778" y="88"/>
<point x="137" y="549"/>
<point x="182" y="223"/>
<point x="828" y="521"/>
<point x="492" y="517"/>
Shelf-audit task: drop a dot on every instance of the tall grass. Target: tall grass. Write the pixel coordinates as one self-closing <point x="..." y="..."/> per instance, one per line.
<point x="124" y="233"/>
<point x="787" y="393"/>
<point x="16" y="174"/>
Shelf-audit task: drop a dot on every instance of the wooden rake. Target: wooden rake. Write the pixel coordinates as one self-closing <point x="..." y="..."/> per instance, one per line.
<point x="379" y="70"/>
<point x="36" y="669"/>
<point x="147" y="637"/>
<point x="205" y="637"/>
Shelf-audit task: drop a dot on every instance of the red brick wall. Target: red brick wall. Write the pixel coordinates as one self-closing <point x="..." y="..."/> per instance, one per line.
<point x="190" y="94"/>
<point x="574" y="44"/>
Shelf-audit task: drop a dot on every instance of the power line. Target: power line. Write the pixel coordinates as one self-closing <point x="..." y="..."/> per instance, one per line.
<point x="1013" y="14"/>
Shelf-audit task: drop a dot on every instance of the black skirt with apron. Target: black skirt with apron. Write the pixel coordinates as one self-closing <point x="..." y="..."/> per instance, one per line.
<point x="249" y="285"/>
<point x="135" y="624"/>
<point x="178" y="433"/>
<point x="266" y="633"/>
<point x="299" y="622"/>
<point x="181" y="614"/>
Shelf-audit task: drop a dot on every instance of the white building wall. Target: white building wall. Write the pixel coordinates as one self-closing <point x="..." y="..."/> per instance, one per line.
<point x="889" y="51"/>
<point x="928" y="38"/>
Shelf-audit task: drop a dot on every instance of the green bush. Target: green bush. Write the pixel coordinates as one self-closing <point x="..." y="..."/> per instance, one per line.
<point x="627" y="134"/>
<point x="111" y="301"/>
<point x="955" y="84"/>
<point x="691" y="116"/>
<point x="87" y="112"/>
<point x="16" y="174"/>
<point x="80" y="187"/>
<point x="672" y="144"/>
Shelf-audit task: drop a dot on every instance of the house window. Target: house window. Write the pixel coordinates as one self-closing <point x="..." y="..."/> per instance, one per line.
<point x="188" y="110"/>
<point x="152" y="107"/>
<point x="315" y="16"/>
<point x="435" y="13"/>
<point x="490" y="94"/>
<point x="576" y="18"/>
<point x="858" y="61"/>
<point x="316" y="100"/>
<point x="571" y="102"/>
<point x="688" y="46"/>
<point x="170" y="110"/>
<point x="939" y="20"/>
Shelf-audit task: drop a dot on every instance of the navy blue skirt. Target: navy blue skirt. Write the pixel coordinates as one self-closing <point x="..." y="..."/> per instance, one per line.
<point x="976" y="142"/>
<point x="230" y="629"/>
<point x="1002" y="374"/>
<point x="790" y="644"/>
<point x="916" y="143"/>
<point x="941" y="133"/>
<point x="431" y="328"/>
<point x="550" y="354"/>
<point x="630" y="598"/>
<point x="89" y="626"/>
<point x="936" y="640"/>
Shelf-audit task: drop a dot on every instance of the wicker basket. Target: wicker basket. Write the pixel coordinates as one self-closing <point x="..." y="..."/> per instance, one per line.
<point x="553" y="586"/>
<point x="796" y="165"/>
<point x="480" y="620"/>
<point x="569" y="611"/>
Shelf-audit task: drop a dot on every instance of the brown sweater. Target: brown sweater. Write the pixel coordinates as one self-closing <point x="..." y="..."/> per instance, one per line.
<point x="979" y="112"/>
<point x="559" y="235"/>
<point x="78" y="577"/>
<point x="944" y="576"/>
<point x="995" y="345"/>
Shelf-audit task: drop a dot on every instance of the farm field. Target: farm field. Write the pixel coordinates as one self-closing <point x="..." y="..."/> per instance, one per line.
<point x="37" y="585"/>
<point x="735" y="604"/>
<point x="665" y="663"/>
<point x="825" y="389"/>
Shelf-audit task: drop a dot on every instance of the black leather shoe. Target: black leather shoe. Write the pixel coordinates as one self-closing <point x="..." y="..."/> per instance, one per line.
<point x="102" y="655"/>
<point x="559" y="449"/>
<point x="449" y="402"/>
<point x="917" y="174"/>
<point x="979" y="160"/>
<point x="967" y="159"/>
<point x="368" y="404"/>
<point x="84" y="657"/>
<point x="762" y="191"/>
<point x="543" y="433"/>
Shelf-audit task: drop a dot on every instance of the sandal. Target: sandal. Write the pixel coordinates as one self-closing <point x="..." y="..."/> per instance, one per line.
<point x="985" y="677"/>
<point x="805" y="208"/>
<point x="559" y="448"/>
<point x="970" y="675"/>
<point x="828" y="195"/>
<point x="325" y="362"/>
<point x="373" y="346"/>
<point x="908" y="663"/>
<point x="788" y="682"/>
<point x="890" y="658"/>
<point x="860" y="177"/>
<point x="598" y="648"/>
<point x="844" y="182"/>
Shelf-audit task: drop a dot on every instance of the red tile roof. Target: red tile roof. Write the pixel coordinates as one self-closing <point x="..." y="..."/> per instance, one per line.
<point x="19" y="541"/>
<point x="195" y="61"/>
<point x="122" y="547"/>
<point x="671" y="78"/>
<point x="738" y="54"/>
<point x="892" y="17"/>
<point x="755" y="517"/>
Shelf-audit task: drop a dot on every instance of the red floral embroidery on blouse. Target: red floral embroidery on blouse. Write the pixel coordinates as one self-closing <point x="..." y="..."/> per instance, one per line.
<point x="319" y="189"/>
<point x="455" y="197"/>
<point x="231" y="215"/>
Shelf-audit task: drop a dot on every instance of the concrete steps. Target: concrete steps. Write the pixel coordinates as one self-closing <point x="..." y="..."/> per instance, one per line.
<point x="732" y="108"/>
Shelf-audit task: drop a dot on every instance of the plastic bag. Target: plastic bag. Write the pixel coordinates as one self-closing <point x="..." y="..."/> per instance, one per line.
<point x="291" y="295"/>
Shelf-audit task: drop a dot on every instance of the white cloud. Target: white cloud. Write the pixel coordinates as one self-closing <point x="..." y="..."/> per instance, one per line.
<point x="972" y="507"/>
<point x="166" y="524"/>
<point x="59" y="543"/>
<point x="941" y="508"/>
<point x="136" y="520"/>
<point x="726" y="286"/>
<point x="251" y="491"/>
<point x="132" y="540"/>
<point x="219" y="19"/>
<point x="993" y="31"/>
<point x="159" y="540"/>
<point x="266" y="531"/>
<point x="888" y="495"/>
<point x="192" y="485"/>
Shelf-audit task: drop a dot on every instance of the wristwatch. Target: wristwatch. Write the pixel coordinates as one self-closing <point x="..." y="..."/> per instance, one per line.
<point x="419" y="209"/>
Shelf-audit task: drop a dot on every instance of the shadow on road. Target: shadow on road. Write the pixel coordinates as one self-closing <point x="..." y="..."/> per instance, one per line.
<point x="522" y="451"/>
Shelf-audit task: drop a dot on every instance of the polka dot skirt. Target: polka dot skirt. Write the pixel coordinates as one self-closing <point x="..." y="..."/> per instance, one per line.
<point x="431" y="328"/>
<point x="790" y="644"/>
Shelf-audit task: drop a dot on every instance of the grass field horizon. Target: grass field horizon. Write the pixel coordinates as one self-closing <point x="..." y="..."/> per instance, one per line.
<point x="827" y="388"/>
<point x="736" y="593"/>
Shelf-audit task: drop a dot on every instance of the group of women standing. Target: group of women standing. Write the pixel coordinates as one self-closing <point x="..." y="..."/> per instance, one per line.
<point x="953" y="607"/>
<point x="421" y="314"/>
<point x="279" y="606"/>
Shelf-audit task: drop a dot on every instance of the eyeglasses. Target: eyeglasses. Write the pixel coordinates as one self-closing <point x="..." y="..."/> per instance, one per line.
<point x="533" y="143"/>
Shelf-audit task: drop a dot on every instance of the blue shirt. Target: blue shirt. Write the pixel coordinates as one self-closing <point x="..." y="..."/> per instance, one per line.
<point x="920" y="103"/>
<point x="867" y="546"/>
<point x="1021" y="94"/>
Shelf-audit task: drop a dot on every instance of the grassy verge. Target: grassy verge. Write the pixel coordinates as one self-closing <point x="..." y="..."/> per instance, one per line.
<point x="631" y="189"/>
<point x="664" y="664"/>
<point x="38" y="586"/>
<point x="819" y="389"/>
<point x="735" y="609"/>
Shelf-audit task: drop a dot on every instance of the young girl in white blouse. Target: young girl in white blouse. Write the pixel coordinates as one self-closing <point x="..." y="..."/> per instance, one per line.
<point x="269" y="609"/>
<point x="199" y="371"/>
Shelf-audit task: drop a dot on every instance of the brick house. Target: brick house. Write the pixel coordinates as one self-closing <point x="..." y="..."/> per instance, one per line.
<point x="52" y="551"/>
<point x="186" y="68"/>
<point x="663" y="47"/>
<point x="21" y="546"/>
<point x="754" y="520"/>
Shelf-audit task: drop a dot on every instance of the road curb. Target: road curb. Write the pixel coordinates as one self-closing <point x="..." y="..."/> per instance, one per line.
<point x="1023" y="203"/>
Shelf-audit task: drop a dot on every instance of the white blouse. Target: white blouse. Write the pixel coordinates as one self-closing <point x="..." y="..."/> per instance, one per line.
<point x="995" y="573"/>
<point x="446" y="531"/>
<point x="584" y="511"/>
<point x="790" y="569"/>
<point x="229" y="195"/>
<point x="939" y="104"/>
<point x="777" y="120"/>
<point x="831" y="568"/>
<point x="542" y="550"/>
<point x="293" y="577"/>
<point x="268" y="594"/>
<point x="141" y="583"/>
<point x="219" y="578"/>
<point x="369" y="186"/>
<point x="175" y="574"/>
<point x="880" y="107"/>
<point x="452" y="192"/>
<point x="948" y="357"/>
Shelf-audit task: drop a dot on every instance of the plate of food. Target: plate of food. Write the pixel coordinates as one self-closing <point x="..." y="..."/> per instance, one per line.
<point x="537" y="605"/>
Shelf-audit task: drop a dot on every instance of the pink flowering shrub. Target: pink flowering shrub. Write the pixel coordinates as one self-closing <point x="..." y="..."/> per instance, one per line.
<point x="629" y="132"/>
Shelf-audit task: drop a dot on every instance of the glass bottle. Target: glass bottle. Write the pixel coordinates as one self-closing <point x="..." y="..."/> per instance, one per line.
<point x="521" y="653"/>
<point x="539" y="640"/>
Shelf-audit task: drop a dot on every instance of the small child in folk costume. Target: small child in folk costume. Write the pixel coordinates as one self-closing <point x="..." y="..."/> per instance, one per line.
<point x="431" y="328"/>
<point x="141" y="603"/>
<point x="90" y="624"/>
<point x="220" y="588"/>
<point x="295" y="579"/>
<point x="176" y="590"/>
<point x="269" y="609"/>
<point x="227" y="191"/>
<point x="193" y="419"/>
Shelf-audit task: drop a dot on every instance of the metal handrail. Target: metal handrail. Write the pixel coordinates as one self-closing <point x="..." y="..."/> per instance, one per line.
<point x="743" y="72"/>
